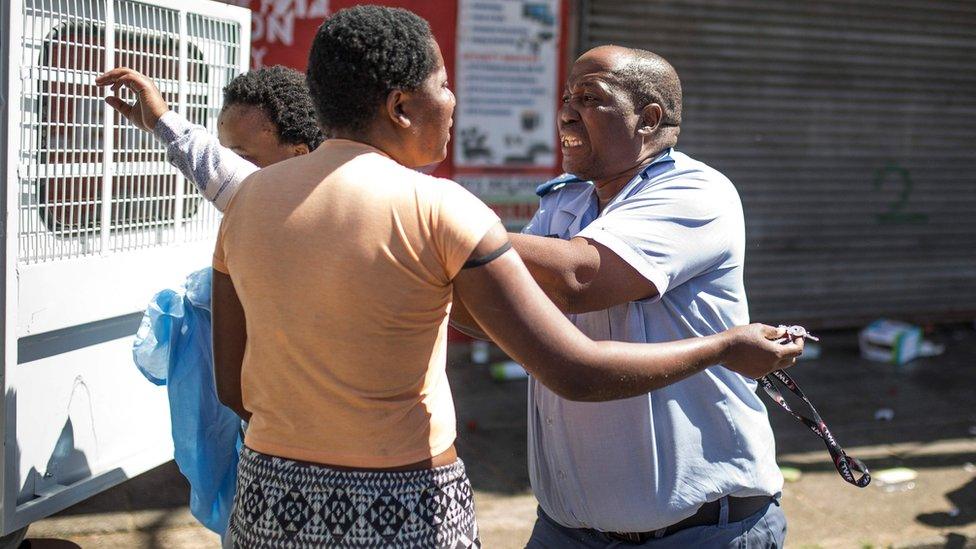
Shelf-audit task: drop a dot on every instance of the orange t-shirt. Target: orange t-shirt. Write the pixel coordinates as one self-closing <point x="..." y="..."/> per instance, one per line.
<point x="343" y="261"/>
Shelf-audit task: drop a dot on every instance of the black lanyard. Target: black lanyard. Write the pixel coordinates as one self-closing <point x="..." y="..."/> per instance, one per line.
<point x="844" y="463"/>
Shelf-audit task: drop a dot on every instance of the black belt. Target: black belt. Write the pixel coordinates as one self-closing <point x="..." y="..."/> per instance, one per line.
<point x="707" y="515"/>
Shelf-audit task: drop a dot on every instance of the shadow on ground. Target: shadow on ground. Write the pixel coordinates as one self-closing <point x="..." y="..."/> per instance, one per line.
<point x="964" y="510"/>
<point x="160" y="488"/>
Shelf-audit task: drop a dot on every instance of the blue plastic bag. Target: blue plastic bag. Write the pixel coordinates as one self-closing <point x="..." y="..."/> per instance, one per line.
<point x="173" y="348"/>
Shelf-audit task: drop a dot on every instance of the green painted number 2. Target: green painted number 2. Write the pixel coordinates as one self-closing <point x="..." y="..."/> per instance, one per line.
<point x="896" y="213"/>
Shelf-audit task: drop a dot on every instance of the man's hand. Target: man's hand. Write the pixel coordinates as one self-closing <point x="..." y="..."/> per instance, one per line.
<point x="149" y="105"/>
<point x="757" y="349"/>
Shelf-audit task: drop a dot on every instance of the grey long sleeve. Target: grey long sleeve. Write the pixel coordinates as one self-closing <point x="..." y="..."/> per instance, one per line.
<point x="216" y="171"/>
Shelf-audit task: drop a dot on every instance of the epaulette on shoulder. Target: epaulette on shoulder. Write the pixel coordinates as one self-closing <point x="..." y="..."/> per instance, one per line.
<point x="556" y="184"/>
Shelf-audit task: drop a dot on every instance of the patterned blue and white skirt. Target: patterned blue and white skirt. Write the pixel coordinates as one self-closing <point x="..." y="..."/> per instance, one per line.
<point x="287" y="503"/>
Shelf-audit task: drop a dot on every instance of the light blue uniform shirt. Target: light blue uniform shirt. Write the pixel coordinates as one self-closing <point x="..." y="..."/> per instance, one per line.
<point x="643" y="463"/>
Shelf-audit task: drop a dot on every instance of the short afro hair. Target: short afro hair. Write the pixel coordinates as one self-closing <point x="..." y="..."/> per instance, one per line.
<point x="361" y="54"/>
<point x="649" y="78"/>
<point x="283" y="96"/>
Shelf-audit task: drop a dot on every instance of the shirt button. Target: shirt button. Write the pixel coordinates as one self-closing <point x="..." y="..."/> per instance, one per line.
<point x="548" y="420"/>
<point x="562" y="475"/>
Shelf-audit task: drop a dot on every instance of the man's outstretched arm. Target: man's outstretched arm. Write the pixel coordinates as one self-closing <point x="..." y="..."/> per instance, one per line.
<point x="216" y="171"/>
<point x="511" y="308"/>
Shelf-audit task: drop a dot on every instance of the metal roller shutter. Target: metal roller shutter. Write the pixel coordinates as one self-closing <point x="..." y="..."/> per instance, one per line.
<point x="849" y="129"/>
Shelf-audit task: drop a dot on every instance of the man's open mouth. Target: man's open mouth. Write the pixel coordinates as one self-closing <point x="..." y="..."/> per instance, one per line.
<point x="570" y="142"/>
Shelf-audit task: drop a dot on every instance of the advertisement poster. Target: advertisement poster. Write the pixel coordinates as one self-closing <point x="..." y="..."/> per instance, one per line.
<point x="507" y="66"/>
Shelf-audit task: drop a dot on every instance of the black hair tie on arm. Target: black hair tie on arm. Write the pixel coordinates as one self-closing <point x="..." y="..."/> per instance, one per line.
<point x="477" y="262"/>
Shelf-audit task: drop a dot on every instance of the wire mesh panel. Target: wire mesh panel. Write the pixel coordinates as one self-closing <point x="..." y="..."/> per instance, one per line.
<point x="143" y="187"/>
<point x="71" y="160"/>
<point x="61" y="146"/>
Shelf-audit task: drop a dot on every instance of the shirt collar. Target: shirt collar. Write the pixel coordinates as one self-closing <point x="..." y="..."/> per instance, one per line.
<point x="657" y="166"/>
<point x="580" y="204"/>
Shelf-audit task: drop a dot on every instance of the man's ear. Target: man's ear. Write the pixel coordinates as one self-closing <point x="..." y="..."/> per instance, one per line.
<point x="650" y="119"/>
<point x="395" y="108"/>
<point x="299" y="149"/>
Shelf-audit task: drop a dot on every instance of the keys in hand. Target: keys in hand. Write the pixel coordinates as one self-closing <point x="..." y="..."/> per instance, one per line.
<point x="797" y="332"/>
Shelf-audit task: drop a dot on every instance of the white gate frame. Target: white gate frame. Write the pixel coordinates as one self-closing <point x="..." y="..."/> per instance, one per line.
<point x="18" y="278"/>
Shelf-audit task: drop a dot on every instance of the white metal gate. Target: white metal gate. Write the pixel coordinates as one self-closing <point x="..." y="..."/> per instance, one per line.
<point x="96" y="221"/>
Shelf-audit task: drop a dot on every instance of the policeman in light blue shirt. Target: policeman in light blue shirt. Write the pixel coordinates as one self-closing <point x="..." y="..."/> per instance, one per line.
<point x="645" y="244"/>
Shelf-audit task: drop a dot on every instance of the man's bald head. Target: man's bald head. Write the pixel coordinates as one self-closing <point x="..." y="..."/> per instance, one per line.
<point x="647" y="77"/>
